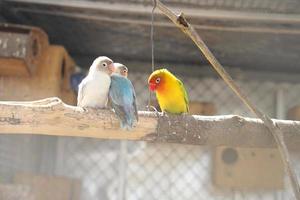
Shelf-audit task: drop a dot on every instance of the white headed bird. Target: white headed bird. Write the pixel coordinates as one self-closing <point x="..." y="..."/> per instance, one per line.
<point x="93" y="89"/>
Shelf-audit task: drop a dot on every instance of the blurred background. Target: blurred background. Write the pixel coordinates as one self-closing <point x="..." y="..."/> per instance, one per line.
<point x="46" y="47"/>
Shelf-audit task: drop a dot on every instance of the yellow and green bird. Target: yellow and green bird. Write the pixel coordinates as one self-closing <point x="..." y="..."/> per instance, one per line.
<point x="170" y="92"/>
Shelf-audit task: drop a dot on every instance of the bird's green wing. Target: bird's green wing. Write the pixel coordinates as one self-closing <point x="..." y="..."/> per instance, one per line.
<point x="186" y="98"/>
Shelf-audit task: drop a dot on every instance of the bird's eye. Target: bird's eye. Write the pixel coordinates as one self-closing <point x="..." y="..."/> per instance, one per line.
<point x="157" y="80"/>
<point x="104" y="64"/>
<point x="124" y="71"/>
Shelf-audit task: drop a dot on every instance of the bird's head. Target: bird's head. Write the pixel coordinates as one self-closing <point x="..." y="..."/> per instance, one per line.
<point x="121" y="69"/>
<point x="103" y="64"/>
<point x="157" y="80"/>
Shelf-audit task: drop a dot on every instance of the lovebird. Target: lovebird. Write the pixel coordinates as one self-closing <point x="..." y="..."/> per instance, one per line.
<point x="122" y="97"/>
<point x="93" y="89"/>
<point x="170" y="92"/>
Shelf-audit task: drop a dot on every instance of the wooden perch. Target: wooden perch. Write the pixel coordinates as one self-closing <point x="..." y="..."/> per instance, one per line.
<point x="52" y="117"/>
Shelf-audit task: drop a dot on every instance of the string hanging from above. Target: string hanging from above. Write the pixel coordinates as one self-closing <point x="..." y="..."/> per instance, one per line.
<point x="152" y="49"/>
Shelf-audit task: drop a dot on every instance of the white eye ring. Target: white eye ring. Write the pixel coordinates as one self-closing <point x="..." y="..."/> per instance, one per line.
<point x="157" y="80"/>
<point x="124" y="71"/>
<point x="104" y="64"/>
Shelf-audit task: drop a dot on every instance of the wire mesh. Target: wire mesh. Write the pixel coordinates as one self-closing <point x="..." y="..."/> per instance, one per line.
<point x="59" y="168"/>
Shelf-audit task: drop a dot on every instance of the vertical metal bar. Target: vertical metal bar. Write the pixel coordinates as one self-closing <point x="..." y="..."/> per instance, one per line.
<point x="60" y="152"/>
<point x="280" y="114"/>
<point x="47" y="156"/>
<point x="122" y="169"/>
<point x="280" y="104"/>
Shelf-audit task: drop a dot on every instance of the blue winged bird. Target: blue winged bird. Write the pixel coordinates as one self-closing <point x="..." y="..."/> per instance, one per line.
<point x="122" y="97"/>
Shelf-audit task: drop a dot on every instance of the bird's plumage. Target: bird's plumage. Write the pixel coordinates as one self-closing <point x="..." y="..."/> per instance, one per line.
<point x="93" y="89"/>
<point x="123" y="100"/>
<point x="170" y="92"/>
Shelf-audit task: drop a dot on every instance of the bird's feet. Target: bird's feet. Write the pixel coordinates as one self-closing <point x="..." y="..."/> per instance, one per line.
<point x="165" y="114"/>
<point x="152" y="108"/>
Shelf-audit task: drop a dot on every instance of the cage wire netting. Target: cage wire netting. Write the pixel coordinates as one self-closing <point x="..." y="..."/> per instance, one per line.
<point x="69" y="168"/>
<point x="92" y="169"/>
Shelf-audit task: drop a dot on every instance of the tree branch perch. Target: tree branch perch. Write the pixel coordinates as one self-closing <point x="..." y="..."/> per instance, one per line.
<point x="52" y="117"/>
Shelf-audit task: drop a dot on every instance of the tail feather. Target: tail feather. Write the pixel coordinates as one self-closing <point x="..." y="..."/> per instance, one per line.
<point x="126" y="116"/>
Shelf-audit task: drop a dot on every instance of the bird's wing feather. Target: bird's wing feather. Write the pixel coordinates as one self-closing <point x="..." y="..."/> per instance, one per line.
<point x="119" y="110"/>
<point x="185" y="95"/>
<point x="121" y="85"/>
<point x="117" y="83"/>
<point x="119" y="94"/>
<point x="122" y="96"/>
<point x="116" y="103"/>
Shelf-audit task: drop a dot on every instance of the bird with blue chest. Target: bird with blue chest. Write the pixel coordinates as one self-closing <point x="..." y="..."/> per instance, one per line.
<point x="122" y="97"/>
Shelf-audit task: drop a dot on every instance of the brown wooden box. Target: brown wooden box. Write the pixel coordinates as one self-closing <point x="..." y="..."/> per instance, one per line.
<point x="294" y="113"/>
<point x="21" y="48"/>
<point x="202" y="108"/>
<point x="248" y="168"/>
<point x="51" y="76"/>
<point x="50" y="187"/>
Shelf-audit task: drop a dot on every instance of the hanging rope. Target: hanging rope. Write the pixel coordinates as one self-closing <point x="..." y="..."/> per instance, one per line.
<point x="152" y="50"/>
<point x="152" y="35"/>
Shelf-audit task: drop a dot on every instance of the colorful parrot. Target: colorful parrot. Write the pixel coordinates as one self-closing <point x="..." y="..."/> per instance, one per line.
<point x="170" y="92"/>
<point x="93" y="89"/>
<point x="122" y="97"/>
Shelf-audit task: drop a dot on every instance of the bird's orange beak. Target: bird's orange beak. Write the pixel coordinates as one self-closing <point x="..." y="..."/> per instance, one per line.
<point x="111" y="68"/>
<point x="152" y="86"/>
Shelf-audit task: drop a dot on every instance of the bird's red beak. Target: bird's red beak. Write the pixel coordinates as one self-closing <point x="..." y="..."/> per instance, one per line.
<point x="111" y="68"/>
<point x="152" y="86"/>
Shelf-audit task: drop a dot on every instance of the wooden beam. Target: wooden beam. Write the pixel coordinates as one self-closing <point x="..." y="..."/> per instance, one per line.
<point x="52" y="117"/>
<point x="203" y="19"/>
<point x="143" y="9"/>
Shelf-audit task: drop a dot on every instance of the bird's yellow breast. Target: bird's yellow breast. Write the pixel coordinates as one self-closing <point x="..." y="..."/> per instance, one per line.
<point x="171" y="99"/>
